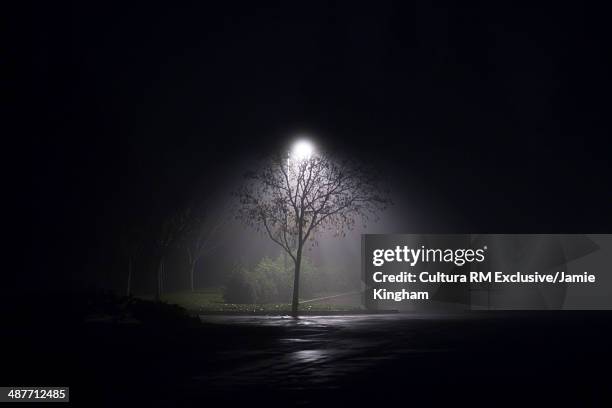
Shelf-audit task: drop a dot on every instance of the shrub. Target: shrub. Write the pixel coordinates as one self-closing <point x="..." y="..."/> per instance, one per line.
<point x="239" y="287"/>
<point x="268" y="282"/>
<point x="160" y="313"/>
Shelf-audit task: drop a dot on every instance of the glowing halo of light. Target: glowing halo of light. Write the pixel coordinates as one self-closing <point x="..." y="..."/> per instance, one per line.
<point x="302" y="149"/>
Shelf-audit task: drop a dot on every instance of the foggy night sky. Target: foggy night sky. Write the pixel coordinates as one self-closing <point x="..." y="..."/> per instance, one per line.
<point x="485" y="118"/>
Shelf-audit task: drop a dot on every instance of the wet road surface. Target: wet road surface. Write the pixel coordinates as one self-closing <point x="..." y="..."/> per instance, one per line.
<point x="316" y="351"/>
<point x="489" y="359"/>
<point x="476" y="359"/>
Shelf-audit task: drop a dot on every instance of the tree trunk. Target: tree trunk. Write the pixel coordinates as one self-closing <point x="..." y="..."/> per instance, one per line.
<point x="296" y="283"/>
<point x="129" y="278"/>
<point x="162" y="282"/>
<point x="191" y="271"/>
<point x="160" y="268"/>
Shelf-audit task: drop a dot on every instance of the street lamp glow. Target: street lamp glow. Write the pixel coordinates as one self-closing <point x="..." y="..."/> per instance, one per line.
<point x="302" y="150"/>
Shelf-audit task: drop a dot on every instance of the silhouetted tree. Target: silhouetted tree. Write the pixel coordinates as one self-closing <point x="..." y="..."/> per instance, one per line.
<point x="201" y="238"/>
<point x="132" y="243"/>
<point x="292" y="197"/>
<point x="171" y="231"/>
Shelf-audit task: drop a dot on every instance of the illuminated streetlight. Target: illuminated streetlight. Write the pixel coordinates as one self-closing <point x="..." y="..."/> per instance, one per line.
<point x="302" y="150"/>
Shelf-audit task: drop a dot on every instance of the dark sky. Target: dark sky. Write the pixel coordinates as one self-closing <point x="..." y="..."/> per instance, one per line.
<point x="495" y="116"/>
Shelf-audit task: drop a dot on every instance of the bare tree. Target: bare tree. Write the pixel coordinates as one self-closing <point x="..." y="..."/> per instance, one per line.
<point x="201" y="239"/>
<point x="131" y="244"/>
<point x="291" y="198"/>
<point x="171" y="232"/>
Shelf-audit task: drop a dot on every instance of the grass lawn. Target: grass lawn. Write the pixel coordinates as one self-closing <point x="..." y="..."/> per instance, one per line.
<point x="211" y="301"/>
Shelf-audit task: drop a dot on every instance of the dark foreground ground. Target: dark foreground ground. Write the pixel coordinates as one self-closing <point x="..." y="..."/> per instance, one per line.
<point x="480" y="359"/>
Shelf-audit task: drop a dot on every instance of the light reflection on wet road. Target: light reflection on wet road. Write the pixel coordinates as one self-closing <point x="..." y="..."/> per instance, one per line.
<point x="317" y="349"/>
<point x="418" y="358"/>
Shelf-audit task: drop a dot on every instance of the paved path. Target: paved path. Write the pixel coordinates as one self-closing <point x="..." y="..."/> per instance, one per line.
<point x="418" y="358"/>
